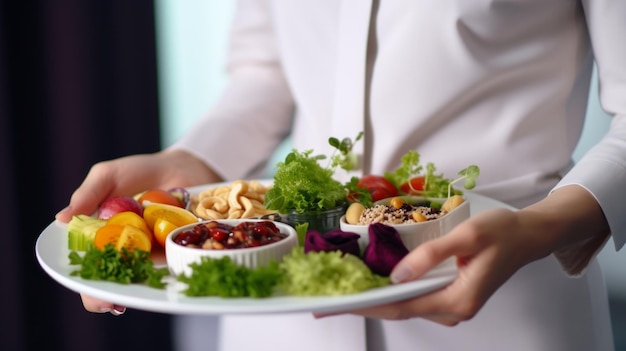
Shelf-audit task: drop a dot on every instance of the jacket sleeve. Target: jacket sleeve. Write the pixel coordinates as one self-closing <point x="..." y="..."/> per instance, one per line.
<point x="602" y="170"/>
<point x="254" y="112"/>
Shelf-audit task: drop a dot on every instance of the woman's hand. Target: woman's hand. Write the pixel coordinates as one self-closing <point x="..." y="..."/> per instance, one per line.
<point x="488" y="251"/>
<point x="128" y="176"/>
<point x="489" y="248"/>
<point x="133" y="174"/>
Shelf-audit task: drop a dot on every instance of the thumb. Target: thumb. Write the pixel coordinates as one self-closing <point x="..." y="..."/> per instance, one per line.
<point x="426" y="257"/>
<point x="86" y="199"/>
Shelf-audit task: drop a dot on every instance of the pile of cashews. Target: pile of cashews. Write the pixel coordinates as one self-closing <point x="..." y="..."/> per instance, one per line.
<point x="240" y="199"/>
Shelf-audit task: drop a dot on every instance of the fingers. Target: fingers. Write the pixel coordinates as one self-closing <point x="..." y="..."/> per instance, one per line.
<point x="430" y="254"/>
<point x="464" y="241"/>
<point x="96" y="187"/>
<point x="447" y="306"/>
<point x="441" y="306"/>
<point x="132" y="174"/>
<point x="485" y="248"/>
<point x="98" y="306"/>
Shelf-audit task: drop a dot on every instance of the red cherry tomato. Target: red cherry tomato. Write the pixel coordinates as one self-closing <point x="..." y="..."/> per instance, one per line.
<point x="417" y="185"/>
<point x="378" y="186"/>
<point x="158" y="196"/>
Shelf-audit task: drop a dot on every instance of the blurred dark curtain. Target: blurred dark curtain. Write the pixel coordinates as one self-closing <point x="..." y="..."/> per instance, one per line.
<point x="78" y="84"/>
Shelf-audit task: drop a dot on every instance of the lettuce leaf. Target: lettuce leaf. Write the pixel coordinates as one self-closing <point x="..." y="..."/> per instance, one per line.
<point x="302" y="185"/>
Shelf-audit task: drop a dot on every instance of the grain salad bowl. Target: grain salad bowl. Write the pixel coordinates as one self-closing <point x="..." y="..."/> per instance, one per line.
<point x="412" y="234"/>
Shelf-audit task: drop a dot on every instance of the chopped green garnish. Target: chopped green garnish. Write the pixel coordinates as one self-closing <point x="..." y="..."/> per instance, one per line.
<point x="301" y="230"/>
<point x="224" y="278"/>
<point x="120" y="267"/>
<point x="326" y="274"/>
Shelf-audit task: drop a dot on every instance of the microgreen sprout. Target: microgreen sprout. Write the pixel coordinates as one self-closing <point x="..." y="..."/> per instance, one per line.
<point x="469" y="174"/>
<point x="346" y="159"/>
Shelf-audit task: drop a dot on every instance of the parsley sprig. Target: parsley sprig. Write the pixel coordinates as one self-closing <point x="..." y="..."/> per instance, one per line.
<point x="224" y="278"/>
<point x="124" y="267"/>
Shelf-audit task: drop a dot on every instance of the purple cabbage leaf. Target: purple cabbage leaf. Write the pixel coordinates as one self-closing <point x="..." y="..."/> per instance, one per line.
<point x="335" y="240"/>
<point x="384" y="250"/>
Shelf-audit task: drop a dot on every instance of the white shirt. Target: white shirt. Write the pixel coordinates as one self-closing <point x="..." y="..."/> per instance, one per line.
<point x="501" y="84"/>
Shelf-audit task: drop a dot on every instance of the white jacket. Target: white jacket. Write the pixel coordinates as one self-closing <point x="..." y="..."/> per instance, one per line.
<point x="502" y="84"/>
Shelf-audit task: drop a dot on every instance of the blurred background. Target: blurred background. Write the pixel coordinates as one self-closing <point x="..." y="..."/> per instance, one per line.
<point x="86" y="81"/>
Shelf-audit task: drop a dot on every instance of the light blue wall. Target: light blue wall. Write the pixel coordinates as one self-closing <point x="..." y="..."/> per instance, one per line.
<point x="596" y="125"/>
<point x="192" y="42"/>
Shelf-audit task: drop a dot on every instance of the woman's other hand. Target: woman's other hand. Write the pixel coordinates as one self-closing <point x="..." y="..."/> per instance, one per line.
<point x="490" y="247"/>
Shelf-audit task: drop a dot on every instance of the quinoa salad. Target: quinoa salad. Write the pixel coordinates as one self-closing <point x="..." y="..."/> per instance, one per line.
<point x="405" y="214"/>
<point x="397" y="211"/>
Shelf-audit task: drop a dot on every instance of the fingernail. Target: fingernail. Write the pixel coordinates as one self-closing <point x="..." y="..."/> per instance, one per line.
<point x="400" y="274"/>
<point x="320" y="315"/>
<point x="117" y="311"/>
<point x="63" y="210"/>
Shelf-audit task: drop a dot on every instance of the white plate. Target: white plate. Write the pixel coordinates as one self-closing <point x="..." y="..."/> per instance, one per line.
<point x="52" y="254"/>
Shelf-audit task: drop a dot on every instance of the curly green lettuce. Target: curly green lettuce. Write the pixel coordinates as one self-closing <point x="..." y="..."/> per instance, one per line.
<point x="302" y="185"/>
